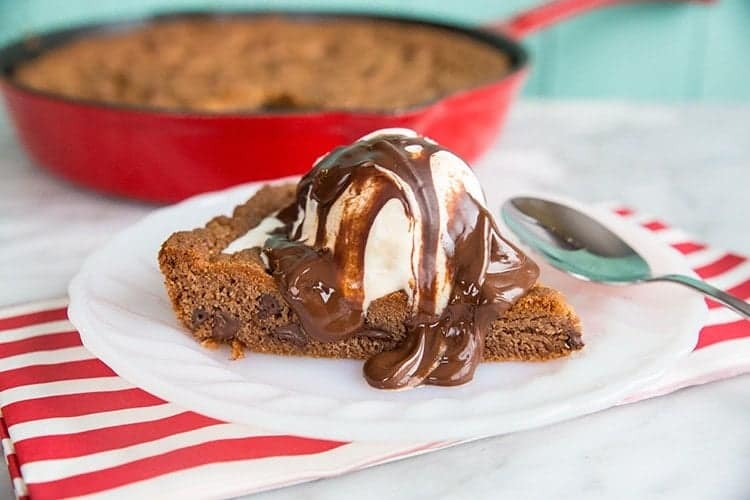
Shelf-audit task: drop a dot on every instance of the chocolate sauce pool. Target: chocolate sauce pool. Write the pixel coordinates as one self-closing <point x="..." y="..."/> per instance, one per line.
<point x="326" y="288"/>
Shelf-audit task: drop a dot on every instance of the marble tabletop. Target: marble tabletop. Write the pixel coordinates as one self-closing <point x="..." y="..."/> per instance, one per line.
<point x="688" y="164"/>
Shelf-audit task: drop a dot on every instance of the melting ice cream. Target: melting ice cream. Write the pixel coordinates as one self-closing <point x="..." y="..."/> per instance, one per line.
<point x="395" y="212"/>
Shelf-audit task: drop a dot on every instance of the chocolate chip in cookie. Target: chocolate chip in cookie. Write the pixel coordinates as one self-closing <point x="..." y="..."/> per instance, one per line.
<point x="291" y="333"/>
<point x="225" y="326"/>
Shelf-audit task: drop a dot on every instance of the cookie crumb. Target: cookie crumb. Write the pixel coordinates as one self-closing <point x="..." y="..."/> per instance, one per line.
<point x="238" y="352"/>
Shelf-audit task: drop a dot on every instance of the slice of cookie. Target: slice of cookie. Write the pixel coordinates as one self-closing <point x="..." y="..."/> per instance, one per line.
<point x="232" y="299"/>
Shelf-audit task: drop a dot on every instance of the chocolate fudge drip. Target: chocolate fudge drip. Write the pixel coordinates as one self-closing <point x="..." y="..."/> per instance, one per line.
<point x="325" y="288"/>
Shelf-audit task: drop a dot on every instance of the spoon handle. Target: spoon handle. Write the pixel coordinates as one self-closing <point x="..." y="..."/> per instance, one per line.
<point x="732" y="302"/>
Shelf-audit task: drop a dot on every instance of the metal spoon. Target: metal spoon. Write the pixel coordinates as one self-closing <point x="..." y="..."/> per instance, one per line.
<point x="579" y="245"/>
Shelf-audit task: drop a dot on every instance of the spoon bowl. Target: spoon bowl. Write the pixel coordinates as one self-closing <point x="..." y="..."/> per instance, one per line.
<point x="579" y="245"/>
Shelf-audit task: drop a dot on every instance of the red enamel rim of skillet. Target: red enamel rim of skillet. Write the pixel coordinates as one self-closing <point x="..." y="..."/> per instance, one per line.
<point x="165" y="156"/>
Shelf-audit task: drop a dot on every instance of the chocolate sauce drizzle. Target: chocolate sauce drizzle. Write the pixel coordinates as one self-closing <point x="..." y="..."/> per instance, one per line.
<point x="326" y="288"/>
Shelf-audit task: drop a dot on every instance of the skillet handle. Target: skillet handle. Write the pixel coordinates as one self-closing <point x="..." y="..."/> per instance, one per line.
<point x="547" y="14"/>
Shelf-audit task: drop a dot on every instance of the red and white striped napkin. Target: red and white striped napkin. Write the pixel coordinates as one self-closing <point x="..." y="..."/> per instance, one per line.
<point x="71" y="427"/>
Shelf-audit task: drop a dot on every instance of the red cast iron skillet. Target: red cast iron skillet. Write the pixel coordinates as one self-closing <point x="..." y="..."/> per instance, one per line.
<point x="164" y="156"/>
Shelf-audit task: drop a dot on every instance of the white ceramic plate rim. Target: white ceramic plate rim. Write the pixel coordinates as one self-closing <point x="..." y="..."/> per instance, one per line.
<point x="292" y="412"/>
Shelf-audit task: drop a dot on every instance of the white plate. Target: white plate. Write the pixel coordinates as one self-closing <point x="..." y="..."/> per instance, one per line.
<point x="632" y="334"/>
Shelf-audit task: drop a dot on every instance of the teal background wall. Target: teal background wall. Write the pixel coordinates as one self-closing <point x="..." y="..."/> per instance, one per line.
<point x="655" y="51"/>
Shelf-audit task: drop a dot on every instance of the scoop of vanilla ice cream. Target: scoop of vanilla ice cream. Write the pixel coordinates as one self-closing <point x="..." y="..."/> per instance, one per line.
<point x="394" y="240"/>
